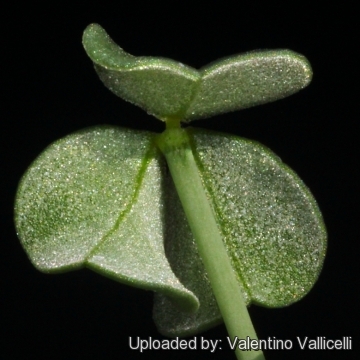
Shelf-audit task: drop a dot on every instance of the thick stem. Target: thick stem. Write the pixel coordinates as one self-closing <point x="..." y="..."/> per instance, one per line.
<point x="175" y="145"/>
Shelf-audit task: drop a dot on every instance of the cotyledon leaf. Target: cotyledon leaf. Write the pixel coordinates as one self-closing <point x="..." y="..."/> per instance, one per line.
<point x="170" y="90"/>
<point x="160" y="86"/>
<point x="272" y="229"/>
<point x="94" y="199"/>
<point x="247" y="80"/>
<point x="100" y="199"/>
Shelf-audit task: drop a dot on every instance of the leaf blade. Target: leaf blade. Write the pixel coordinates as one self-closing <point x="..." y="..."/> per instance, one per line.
<point x="64" y="179"/>
<point x="160" y="86"/>
<point x="264" y="212"/>
<point x="247" y="80"/>
<point x="80" y="192"/>
<point x="268" y="216"/>
<point x="111" y="259"/>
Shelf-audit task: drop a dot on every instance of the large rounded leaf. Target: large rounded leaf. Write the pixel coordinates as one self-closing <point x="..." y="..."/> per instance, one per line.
<point x="170" y="90"/>
<point x="271" y="225"/>
<point x="94" y="199"/>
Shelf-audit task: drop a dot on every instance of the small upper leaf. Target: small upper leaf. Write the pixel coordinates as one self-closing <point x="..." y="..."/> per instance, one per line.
<point x="170" y="90"/>
<point x="248" y="79"/>
<point x="162" y="87"/>
<point x="93" y="199"/>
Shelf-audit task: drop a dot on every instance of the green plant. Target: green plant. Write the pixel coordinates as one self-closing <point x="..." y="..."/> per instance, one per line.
<point x="231" y="226"/>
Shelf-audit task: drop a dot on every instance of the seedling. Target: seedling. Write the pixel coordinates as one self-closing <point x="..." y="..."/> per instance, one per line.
<point x="230" y="225"/>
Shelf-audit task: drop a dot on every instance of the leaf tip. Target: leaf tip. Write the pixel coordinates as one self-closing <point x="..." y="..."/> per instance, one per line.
<point x="300" y="62"/>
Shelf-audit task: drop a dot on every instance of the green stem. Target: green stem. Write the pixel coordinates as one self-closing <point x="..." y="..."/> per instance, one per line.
<point x="175" y="145"/>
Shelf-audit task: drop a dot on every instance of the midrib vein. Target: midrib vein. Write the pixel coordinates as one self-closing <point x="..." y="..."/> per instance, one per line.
<point x="139" y="179"/>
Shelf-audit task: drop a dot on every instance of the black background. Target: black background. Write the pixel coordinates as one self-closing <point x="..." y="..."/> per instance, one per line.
<point x="51" y="90"/>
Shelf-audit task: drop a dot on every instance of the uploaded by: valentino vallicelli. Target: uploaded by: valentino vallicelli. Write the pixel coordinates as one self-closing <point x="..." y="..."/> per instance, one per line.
<point x="247" y="344"/>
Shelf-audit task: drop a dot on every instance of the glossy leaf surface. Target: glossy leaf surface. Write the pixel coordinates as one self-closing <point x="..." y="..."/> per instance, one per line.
<point x="94" y="199"/>
<point x="272" y="229"/>
<point x="162" y="87"/>
<point x="247" y="80"/>
<point x="100" y="198"/>
<point x="170" y="90"/>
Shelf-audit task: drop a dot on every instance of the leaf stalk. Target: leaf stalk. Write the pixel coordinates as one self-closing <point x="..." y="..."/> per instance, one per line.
<point x="176" y="147"/>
